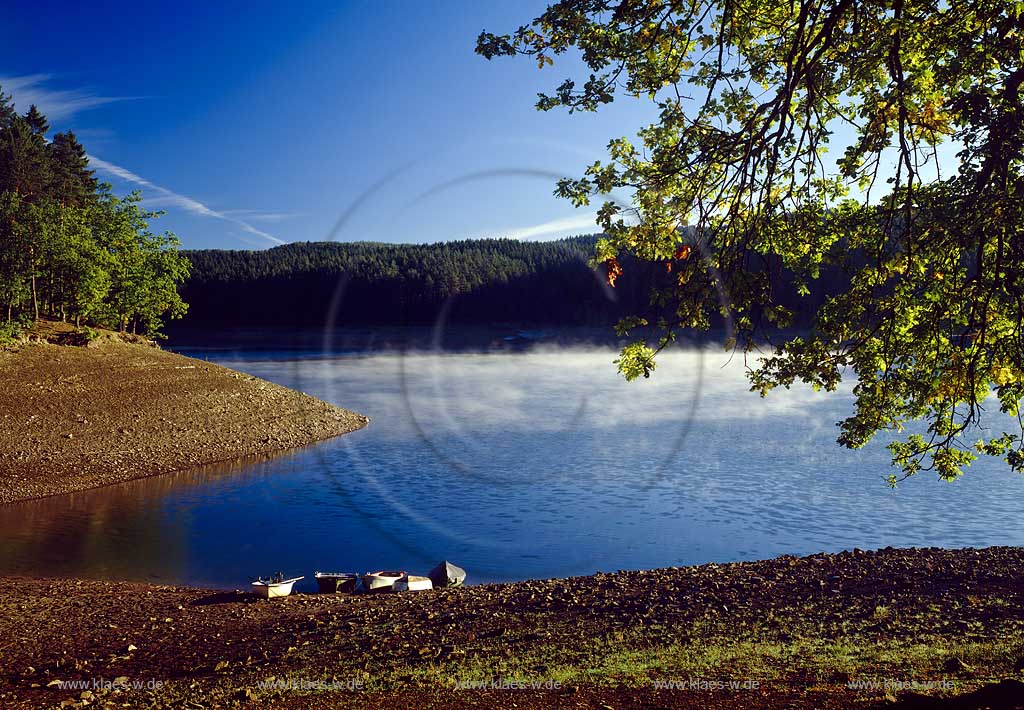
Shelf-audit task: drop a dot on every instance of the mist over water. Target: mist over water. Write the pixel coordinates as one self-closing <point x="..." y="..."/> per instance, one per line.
<point x="536" y="463"/>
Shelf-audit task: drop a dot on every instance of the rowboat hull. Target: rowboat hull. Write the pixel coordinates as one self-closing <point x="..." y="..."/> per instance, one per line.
<point x="331" y="583"/>
<point x="381" y="581"/>
<point x="447" y="575"/>
<point x="273" y="590"/>
<point x="412" y="583"/>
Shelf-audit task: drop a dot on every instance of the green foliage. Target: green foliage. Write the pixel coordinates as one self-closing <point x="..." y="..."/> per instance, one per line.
<point x="10" y="332"/>
<point x="743" y="187"/>
<point x="69" y="249"/>
<point x="636" y="359"/>
<point x="145" y="268"/>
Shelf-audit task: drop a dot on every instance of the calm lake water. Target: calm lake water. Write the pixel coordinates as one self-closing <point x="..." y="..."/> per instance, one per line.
<point x="515" y="457"/>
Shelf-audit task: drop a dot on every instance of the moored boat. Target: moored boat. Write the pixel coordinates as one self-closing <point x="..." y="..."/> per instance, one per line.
<point x="332" y="582"/>
<point x="276" y="586"/>
<point x="381" y="581"/>
<point x="413" y="583"/>
<point x="447" y="575"/>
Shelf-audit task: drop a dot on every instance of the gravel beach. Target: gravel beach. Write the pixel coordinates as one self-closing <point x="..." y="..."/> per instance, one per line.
<point x="811" y="632"/>
<point x="73" y="418"/>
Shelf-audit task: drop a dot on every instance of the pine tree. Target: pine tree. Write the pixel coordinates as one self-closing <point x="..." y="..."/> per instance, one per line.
<point x="37" y="121"/>
<point x="6" y="109"/>
<point x="71" y="181"/>
<point x="68" y="248"/>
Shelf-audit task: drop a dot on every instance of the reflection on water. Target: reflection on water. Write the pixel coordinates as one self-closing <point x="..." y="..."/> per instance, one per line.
<point x="134" y="530"/>
<point x="515" y="464"/>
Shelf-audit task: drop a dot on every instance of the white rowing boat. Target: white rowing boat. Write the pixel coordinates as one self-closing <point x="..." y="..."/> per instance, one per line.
<point x="274" y="587"/>
<point x="412" y="583"/>
<point x="381" y="581"/>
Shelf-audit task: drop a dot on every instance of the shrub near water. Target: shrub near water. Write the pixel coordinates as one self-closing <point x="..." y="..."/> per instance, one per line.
<point x="10" y="332"/>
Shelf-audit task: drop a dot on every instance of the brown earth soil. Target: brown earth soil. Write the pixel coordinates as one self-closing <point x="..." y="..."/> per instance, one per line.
<point x="803" y="628"/>
<point x="73" y="418"/>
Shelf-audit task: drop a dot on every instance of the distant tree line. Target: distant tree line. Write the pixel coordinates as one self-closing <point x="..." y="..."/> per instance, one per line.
<point x="71" y="250"/>
<point x="474" y="281"/>
<point x="499" y="280"/>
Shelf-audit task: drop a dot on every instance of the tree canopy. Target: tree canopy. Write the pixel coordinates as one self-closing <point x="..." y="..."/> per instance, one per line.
<point x="69" y="249"/>
<point x="469" y="281"/>
<point x="797" y="137"/>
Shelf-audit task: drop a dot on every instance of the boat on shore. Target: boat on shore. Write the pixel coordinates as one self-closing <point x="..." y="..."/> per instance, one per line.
<point x="276" y="586"/>
<point x="381" y="581"/>
<point x="334" y="582"/>
<point x="413" y="583"/>
<point x="447" y="575"/>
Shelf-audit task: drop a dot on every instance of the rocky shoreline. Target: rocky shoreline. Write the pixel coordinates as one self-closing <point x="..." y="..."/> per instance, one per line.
<point x="921" y="628"/>
<point x="910" y="628"/>
<point x="74" y="418"/>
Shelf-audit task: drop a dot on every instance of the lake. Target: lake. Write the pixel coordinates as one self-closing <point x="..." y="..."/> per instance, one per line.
<point x="517" y="455"/>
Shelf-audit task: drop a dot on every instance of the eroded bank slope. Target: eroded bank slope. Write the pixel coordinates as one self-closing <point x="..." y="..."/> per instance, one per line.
<point x="73" y="418"/>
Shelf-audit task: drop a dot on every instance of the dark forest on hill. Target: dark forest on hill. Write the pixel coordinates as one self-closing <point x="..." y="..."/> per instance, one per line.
<point x="474" y="281"/>
<point x="500" y="280"/>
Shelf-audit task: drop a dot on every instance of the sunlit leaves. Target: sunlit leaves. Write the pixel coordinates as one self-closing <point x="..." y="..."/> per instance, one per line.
<point x="635" y="360"/>
<point x="613" y="270"/>
<point x="917" y="267"/>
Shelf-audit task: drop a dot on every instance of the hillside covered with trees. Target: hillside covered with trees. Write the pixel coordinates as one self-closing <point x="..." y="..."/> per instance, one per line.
<point x="492" y="280"/>
<point x="474" y="281"/>
<point x="69" y="249"/>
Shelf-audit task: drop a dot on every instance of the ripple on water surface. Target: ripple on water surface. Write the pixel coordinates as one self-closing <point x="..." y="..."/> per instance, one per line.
<point x="515" y="465"/>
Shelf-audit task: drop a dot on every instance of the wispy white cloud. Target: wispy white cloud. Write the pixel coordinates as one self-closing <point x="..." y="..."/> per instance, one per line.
<point x="586" y="222"/>
<point x="564" y="225"/>
<point x="168" y="197"/>
<point x="254" y="243"/>
<point x="258" y="216"/>
<point x="61" y="104"/>
<point x="56" y="104"/>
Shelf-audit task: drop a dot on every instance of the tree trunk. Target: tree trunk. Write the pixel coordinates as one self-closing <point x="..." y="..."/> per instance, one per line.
<point x="35" y="299"/>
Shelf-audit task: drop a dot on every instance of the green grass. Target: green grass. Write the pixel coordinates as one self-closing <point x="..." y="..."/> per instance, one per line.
<point x="636" y="662"/>
<point x="637" y="658"/>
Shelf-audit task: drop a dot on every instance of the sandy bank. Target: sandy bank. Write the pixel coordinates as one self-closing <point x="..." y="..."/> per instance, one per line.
<point x="73" y="418"/>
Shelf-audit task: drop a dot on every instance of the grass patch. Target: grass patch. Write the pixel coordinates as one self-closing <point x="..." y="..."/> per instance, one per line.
<point x="636" y="662"/>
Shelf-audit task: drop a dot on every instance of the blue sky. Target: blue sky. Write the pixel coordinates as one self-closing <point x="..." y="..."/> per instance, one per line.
<point x="258" y="123"/>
